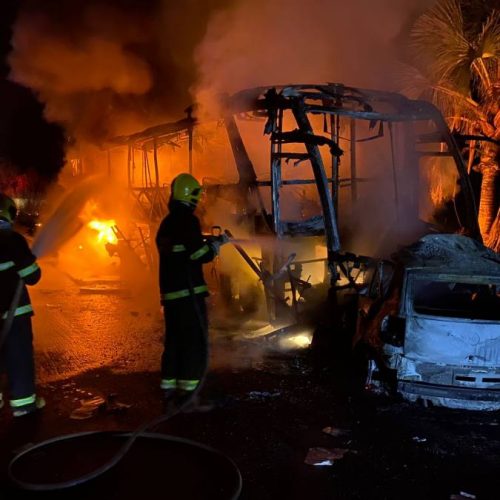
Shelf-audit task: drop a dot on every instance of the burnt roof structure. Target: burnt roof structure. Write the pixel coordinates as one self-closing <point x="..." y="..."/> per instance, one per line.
<point x="301" y="102"/>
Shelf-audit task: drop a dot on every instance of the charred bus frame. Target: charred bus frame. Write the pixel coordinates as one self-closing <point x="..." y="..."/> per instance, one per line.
<point x="334" y="102"/>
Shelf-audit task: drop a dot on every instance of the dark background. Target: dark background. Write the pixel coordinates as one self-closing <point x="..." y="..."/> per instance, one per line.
<point x="28" y="144"/>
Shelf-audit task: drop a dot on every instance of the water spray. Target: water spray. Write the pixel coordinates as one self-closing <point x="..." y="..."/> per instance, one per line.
<point x="59" y="229"/>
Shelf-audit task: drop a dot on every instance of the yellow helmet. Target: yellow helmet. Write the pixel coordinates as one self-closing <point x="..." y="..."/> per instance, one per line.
<point x="8" y="209"/>
<point x="187" y="189"/>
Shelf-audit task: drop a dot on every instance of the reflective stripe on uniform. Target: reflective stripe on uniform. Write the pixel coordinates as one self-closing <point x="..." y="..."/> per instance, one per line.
<point x="178" y="248"/>
<point x="168" y="383"/>
<point x="20" y="311"/>
<point x="26" y="271"/>
<point x="184" y="293"/>
<point x="16" y="403"/>
<point x="188" y="385"/>
<point x="200" y="252"/>
<point x="6" y="265"/>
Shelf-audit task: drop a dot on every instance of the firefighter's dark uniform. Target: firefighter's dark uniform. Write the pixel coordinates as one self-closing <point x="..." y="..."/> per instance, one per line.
<point x="182" y="252"/>
<point x="17" y="261"/>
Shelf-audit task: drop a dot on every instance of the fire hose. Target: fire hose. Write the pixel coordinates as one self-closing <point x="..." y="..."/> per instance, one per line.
<point x="170" y="412"/>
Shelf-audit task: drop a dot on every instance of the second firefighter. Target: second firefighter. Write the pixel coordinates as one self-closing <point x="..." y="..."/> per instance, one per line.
<point x="182" y="251"/>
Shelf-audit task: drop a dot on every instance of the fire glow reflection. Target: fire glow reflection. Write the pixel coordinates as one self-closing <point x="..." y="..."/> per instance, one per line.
<point x="300" y="341"/>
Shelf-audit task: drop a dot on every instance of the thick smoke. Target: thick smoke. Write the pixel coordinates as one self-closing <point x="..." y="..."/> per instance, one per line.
<point x="261" y="42"/>
<point x="108" y="67"/>
<point x="112" y="67"/>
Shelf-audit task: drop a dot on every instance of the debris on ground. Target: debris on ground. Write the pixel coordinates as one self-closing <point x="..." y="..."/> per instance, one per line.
<point x="463" y="495"/>
<point x="263" y="394"/>
<point x="324" y="456"/>
<point x="333" y="431"/>
<point x="418" y="439"/>
<point x="89" y="407"/>
<point x="114" y="406"/>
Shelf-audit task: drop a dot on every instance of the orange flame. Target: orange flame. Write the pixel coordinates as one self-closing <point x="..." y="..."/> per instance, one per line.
<point x="105" y="230"/>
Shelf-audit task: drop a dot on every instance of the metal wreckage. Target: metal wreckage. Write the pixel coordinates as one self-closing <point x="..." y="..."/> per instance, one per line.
<point x="428" y="317"/>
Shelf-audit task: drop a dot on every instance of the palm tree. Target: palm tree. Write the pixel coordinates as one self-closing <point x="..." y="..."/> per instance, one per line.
<point x="454" y="48"/>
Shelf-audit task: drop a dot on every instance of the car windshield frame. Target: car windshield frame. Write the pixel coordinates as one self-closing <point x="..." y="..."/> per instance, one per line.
<point x="474" y="313"/>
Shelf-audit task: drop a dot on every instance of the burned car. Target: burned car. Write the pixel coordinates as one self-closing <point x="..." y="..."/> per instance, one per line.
<point x="430" y="321"/>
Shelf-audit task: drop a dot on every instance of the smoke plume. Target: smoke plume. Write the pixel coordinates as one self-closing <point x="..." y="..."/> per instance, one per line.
<point x="261" y="42"/>
<point x="108" y="67"/>
<point x="111" y="67"/>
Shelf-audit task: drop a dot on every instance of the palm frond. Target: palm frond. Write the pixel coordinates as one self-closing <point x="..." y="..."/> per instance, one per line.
<point x="486" y="45"/>
<point x="488" y="41"/>
<point x="481" y="75"/>
<point x="449" y="98"/>
<point x="453" y="104"/>
<point x="439" y="43"/>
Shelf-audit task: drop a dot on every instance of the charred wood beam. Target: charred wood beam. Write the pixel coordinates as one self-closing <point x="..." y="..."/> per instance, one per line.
<point x="171" y="140"/>
<point x="275" y="123"/>
<point x="344" y="96"/>
<point x="331" y="229"/>
<point x="292" y="182"/>
<point x="156" y="131"/>
<point x="312" y="226"/>
<point x="368" y="115"/>
<point x="354" y="184"/>
<point x="246" y="171"/>
<point x="302" y="137"/>
<point x="275" y="194"/>
<point x="340" y="100"/>
<point x="335" y="134"/>
<point x="403" y="109"/>
<point x="274" y="103"/>
<point x="157" y="168"/>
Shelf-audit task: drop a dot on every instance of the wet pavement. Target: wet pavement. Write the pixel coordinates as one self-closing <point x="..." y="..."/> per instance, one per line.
<point x="272" y="407"/>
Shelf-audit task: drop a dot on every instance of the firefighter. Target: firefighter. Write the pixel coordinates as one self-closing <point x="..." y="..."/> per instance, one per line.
<point x="17" y="263"/>
<point x="183" y="251"/>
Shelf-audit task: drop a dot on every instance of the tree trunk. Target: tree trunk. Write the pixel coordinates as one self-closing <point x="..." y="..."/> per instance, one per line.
<point x="494" y="237"/>
<point x="488" y="203"/>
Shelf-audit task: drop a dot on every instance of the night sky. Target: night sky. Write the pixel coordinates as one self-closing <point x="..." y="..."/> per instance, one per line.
<point x="27" y="141"/>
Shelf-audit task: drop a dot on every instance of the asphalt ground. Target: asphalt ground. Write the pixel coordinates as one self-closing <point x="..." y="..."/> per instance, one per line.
<point x="271" y="407"/>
